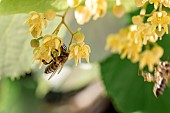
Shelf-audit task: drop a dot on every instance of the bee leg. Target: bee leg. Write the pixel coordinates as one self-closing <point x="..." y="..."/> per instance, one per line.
<point x="147" y="76"/>
<point x="45" y="63"/>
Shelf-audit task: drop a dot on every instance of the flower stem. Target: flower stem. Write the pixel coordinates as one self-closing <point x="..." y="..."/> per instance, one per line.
<point x="59" y="15"/>
<point x="62" y="22"/>
<point x="160" y="7"/>
<point x="57" y="29"/>
<point x="70" y="41"/>
<point x="68" y="28"/>
<point x="40" y="38"/>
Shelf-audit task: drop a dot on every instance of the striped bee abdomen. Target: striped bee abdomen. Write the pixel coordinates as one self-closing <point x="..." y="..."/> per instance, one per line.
<point x="51" y="68"/>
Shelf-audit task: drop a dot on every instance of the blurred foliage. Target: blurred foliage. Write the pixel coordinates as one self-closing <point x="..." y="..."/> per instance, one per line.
<point x="25" y="6"/>
<point x="19" y="96"/>
<point x="128" y="90"/>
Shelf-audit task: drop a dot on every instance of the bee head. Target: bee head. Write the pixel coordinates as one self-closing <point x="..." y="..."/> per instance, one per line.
<point x="64" y="47"/>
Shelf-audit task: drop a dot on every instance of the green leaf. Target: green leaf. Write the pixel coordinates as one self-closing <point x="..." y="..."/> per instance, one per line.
<point x="19" y="96"/>
<point x="15" y="50"/>
<point x="128" y="90"/>
<point x="25" y="6"/>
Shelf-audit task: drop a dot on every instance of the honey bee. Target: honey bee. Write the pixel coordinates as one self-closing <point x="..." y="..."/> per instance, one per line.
<point x="160" y="78"/>
<point x="57" y="63"/>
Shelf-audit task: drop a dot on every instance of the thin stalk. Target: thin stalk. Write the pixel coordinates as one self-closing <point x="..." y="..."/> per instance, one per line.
<point x="160" y="7"/>
<point x="57" y="29"/>
<point x="59" y="15"/>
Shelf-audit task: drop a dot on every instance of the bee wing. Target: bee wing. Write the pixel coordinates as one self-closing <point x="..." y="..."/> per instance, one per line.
<point x="52" y="74"/>
<point x="60" y="67"/>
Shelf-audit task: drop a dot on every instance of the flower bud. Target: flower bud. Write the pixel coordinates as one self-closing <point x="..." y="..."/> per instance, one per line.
<point x="34" y="43"/>
<point x="50" y="14"/>
<point x="73" y="3"/>
<point x="78" y="37"/>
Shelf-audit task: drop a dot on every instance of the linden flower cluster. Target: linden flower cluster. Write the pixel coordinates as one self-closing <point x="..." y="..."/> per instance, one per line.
<point x="118" y="9"/>
<point x="37" y="21"/>
<point x="48" y="47"/>
<point x="129" y="42"/>
<point x="83" y="13"/>
<point x="50" y="43"/>
<point x="79" y="49"/>
<point x="156" y="3"/>
<point x="126" y="44"/>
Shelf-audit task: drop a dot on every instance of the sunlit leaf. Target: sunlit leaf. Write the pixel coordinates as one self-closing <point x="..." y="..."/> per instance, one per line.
<point x="15" y="50"/>
<point x="24" y="6"/>
<point x="128" y="90"/>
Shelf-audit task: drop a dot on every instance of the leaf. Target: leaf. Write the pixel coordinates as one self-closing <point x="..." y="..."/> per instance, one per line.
<point x="15" y="50"/>
<point x="128" y="90"/>
<point x="25" y="6"/>
<point x="19" y="96"/>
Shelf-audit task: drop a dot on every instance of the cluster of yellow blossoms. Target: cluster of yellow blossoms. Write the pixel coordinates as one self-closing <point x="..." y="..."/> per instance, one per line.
<point x="130" y="41"/>
<point x="79" y="49"/>
<point x="156" y="3"/>
<point x="137" y="42"/>
<point x="50" y="45"/>
<point x="37" y="21"/>
<point x="125" y="43"/>
<point x="83" y="13"/>
<point x="118" y="9"/>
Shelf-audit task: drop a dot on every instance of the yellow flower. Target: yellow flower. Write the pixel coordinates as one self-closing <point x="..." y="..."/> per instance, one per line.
<point x="150" y="57"/>
<point x="155" y="2"/>
<point x="50" y="44"/>
<point x="79" y="51"/>
<point x="131" y="51"/>
<point x="42" y="53"/>
<point x="114" y="43"/>
<point x="140" y="3"/>
<point x="118" y="10"/>
<point x="50" y="14"/>
<point x="145" y="34"/>
<point x="166" y="3"/>
<point x="73" y="3"/>
<point x="117" y="42"/>
<point x="160" y="20"/>
<point x="123" y="43"/>
<point x="36" y="22"/>
<point x="53" y="42"/>
<point x="82" y="14"/>
<point x="98" y="8"/>
<point x="137" y="20"/>
<point x="133" y="45"/>
<point x="78" y="36"/>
